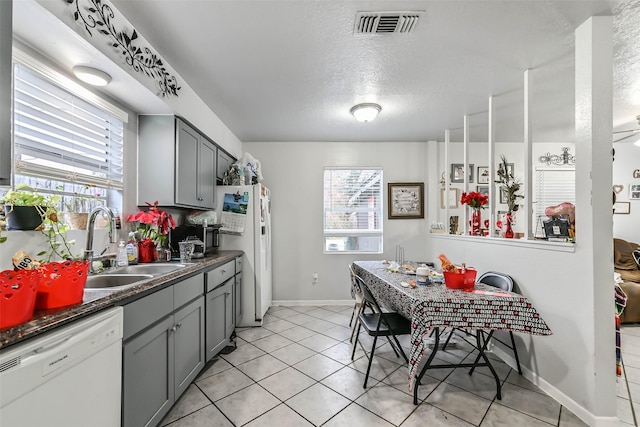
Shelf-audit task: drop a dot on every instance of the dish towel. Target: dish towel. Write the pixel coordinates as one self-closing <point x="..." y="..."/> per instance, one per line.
<point x="620" y="303"/>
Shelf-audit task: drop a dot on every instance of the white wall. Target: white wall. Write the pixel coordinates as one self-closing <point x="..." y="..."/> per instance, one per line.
<point x="293" y="171"/>
<point x="627" y="160"/>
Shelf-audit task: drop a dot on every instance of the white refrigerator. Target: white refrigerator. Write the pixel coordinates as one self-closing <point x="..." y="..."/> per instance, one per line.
<point x="245" y="214"/>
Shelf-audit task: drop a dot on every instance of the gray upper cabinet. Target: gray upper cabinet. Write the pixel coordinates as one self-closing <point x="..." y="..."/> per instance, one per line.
<point x="6" y="39"/>
<point x="176" y="163"/>
<point x="224" y="163"/>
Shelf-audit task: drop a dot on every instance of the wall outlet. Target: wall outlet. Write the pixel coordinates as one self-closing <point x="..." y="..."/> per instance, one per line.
<point x="315" y="277"/>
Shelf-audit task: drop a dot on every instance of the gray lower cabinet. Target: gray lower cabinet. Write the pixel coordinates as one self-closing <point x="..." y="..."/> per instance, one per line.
<point x="148" y="384"/>
<point x="237" y="290"/>
<point x="163" y="350"/>
<point x="188" y="344"/>
<point x="219" y="308"/>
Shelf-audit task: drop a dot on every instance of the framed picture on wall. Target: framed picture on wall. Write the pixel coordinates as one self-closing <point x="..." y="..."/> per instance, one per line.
<point x="634" y="192"/>
<point x="483" y="174"/>
<point x="503" y="195"/>
<point x="622" y="208"/>
<point x="457" y="172"/>
<point x="483" y="189"/>
<point x="406" y="200"/>
<point x="509" y="169"/>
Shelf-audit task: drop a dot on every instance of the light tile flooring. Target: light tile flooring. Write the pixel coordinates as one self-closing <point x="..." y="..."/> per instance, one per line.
<point x="297" y="371"/>
<point x="630" y="341"/>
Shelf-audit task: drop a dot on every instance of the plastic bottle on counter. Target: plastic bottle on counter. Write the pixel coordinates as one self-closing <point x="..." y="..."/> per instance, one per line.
<point x="122" y="255"/>
<point x="132" y="250"/>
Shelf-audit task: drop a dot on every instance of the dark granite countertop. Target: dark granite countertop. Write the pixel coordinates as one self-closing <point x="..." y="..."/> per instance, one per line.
<point x="94" y="301"/>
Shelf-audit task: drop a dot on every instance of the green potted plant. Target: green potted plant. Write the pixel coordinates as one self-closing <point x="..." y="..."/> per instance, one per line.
<point x="24" y="208"/>
<point x="77" y="208"/>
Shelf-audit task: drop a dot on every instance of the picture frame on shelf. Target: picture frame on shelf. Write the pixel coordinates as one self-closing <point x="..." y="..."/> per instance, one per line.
<point x="483" y="189"/>
<point x="405" y="200"/>
<point x="483" y="174"/>
<point x="622" y="208"/>
<point x="457" y="172"/>
<point x="452" y="198"/>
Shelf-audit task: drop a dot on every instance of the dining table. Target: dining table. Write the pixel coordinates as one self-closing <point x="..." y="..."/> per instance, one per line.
<point x="434" y="306"/>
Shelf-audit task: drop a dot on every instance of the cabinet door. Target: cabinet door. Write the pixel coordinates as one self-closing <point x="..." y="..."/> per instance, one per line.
<point x="188" y="344"/>
<point x="215" y="329"/>
<point x="207" y="174"/>
<point x="229" y="319"/>
<point x="148" y="381"/>
<point x="237" y="298"/>
<point x="187" y="147"/>
<point x="224" y="163"/>
<point x="6" y="38"/>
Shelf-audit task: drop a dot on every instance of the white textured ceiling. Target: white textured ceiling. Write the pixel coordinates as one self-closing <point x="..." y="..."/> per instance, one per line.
<point x="291" y="70"/>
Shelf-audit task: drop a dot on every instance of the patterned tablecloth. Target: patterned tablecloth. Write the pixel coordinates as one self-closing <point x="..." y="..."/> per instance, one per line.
<point x="435" y="305"/>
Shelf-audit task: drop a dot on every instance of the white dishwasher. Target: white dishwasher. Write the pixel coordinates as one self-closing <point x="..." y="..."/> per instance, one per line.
<point x="68" y="377"/>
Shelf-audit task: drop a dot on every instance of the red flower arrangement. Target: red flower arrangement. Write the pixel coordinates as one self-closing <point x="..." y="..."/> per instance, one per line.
<point x="474" y="199"/>
<point x="154" y="224"/>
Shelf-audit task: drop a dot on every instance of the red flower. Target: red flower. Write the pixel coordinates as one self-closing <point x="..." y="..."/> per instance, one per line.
<point x="474" y="199"/>
<point x="156" y="222"/>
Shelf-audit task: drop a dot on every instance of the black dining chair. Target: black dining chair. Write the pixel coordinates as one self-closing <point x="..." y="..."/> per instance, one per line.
<point x="504" y="282"/>
<point x="356" y="294"/>
<point x="379" y="324"/>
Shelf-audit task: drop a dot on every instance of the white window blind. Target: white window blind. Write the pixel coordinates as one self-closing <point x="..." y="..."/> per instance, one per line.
<point x="554" y="186"/>
<point x="353" y="210"/>
<point x="60" y="136"/>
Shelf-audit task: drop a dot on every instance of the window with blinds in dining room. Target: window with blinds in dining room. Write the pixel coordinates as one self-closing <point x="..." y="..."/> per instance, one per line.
<point x="64" y="144"/>
<point x="353" y="210"/>
<point x="552" y="187"/>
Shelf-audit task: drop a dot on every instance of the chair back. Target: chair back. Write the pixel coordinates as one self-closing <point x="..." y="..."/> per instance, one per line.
<point x="497" y="280"/>
<point x="356" y="292"/>
<point x="368" y="297"/>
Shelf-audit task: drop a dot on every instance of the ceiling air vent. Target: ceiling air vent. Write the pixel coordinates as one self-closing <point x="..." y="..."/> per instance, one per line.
<point x="386" y="22"/>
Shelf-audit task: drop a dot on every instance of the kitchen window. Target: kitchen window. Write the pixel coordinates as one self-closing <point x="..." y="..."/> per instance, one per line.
<point x="352" y="210"/>
<point x="64" y="144"/>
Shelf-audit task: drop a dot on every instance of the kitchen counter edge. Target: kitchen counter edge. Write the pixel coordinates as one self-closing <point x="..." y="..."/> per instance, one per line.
<point x="47" y="320"/>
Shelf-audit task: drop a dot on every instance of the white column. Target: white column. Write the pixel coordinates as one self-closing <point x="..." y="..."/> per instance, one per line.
<point x="465" y="160"/>
<point x="491" y="162"/>
<point x="527" y="158"/>
<point x="447" y="179"/>
<point x="594" y="223"/>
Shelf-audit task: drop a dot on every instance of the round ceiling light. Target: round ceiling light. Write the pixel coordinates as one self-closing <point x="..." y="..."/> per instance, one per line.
<point x="92" y="76"/>
<point x="365" y="112"/>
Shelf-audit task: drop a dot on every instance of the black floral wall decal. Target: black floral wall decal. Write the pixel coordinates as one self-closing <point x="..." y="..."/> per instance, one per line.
<point x="99" y="16"/>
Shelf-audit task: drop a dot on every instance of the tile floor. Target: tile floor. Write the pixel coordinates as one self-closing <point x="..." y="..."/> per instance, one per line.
<point x="630" y="341"/>
<point x="297" y="371"/>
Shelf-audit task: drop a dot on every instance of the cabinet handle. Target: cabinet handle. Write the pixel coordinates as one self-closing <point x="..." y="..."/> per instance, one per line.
<point x="227" y="293"/>
<point x="173" y="329"/>
<point x="178" y="325"/>
<point x="223" y="271"/>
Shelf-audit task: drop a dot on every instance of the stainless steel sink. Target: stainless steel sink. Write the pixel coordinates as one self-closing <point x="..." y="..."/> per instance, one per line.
<point x="115" y="281"/>
<point x="153" y="269"/>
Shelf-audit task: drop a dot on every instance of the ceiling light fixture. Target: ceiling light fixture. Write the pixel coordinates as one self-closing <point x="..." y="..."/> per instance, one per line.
<point x="365" y="112"/>
<point x="92" y="76"/>
<point x="563" y="159"/>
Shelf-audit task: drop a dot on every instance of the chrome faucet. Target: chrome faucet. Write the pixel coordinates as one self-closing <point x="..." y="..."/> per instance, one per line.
<point x="91" y="225"/>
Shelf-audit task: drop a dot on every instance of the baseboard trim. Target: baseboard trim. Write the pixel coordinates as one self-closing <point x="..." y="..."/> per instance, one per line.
<point x="579" y="410"/>
<point x="300" y="303"/>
